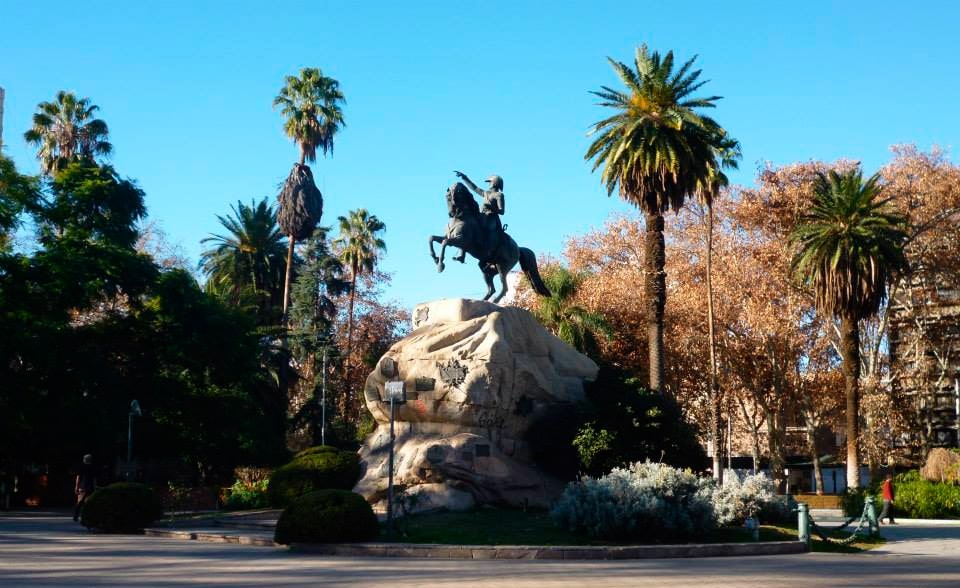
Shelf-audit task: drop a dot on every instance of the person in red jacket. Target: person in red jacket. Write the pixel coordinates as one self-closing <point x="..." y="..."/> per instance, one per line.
<point x="888" y="495"/>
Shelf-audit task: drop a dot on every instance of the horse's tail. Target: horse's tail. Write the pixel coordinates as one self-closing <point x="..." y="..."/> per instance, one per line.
<point x="528" y="263"/>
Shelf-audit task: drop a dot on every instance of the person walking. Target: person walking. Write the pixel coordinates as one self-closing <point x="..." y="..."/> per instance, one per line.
<point x="888" y="495"/>
<point x="85" y="484"/>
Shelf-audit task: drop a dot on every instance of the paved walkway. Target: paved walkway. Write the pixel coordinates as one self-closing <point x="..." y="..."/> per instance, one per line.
<point x="50" y="550"/>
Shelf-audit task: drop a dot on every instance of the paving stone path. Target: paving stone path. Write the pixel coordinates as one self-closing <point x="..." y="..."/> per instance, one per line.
<point x="51" y="550"/>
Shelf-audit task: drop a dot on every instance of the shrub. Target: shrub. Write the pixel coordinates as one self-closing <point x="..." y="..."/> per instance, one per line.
<point x="316" y="468"/>
<point x="755" y="496"/>
<point x="943" y="465"/>
<point x="121" y="508"/>
<point x="918" y="498"/>
<point x="649" y="501"/>
<point x="246" y="495"/>
<point x="327" y="516"/>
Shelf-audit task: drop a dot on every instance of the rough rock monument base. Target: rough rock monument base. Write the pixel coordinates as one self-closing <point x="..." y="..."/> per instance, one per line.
<point x="477" y="376"/>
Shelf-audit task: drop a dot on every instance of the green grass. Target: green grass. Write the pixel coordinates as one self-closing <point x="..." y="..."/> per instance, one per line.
<point x="490" y="526"/>
<point x="863" y="543"/>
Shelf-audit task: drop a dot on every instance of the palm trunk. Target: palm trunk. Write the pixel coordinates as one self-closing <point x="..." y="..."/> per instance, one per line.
<point x="286" y="280"/>
<point x="714" y="395"/>
<point x="850" y="348"/>
<point x="353" y="290"/>
<point x="303" y="155"/>
<point x="655" y="289"/>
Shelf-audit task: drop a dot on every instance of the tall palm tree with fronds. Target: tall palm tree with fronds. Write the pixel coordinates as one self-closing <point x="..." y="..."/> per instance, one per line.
<point x="848" y="247"/>
<point x="560" y="313"/>
<point x="248" y="258"/>
<point x="311" y="103"/>
<point x="657" y="149"/>
<point x="66" y="130"/>
<point x="359" y="247"/>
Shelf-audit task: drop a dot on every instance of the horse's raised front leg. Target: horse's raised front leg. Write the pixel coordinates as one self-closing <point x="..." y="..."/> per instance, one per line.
<point x="462" y="257"/>
<point x="434" y="239"/>
<point x="443" y="245"/>
<point x="443" y="248"/>
<point x="503" y="284"/>
<point x="488" y="273"/>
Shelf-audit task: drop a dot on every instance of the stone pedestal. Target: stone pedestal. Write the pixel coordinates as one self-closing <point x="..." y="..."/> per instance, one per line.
<point x="476" y="376"/>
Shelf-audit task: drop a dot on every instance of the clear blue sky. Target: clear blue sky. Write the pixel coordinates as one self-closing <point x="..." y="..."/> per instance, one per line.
<point x="484" y="87"/>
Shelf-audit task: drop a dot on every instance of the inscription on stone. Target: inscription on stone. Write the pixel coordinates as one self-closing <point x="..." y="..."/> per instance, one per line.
<point x="424" y="384"/>
<point x="388" y="367"/>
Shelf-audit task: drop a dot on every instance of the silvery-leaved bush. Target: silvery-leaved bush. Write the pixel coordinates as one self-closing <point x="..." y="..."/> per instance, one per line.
<point x="650" y="501"/>
<point x="735" y="500"/>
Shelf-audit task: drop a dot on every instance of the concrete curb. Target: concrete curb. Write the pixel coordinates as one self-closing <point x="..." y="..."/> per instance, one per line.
<point x="211" y="537"/>
<point x="439" y="551"/>
<point x="436" y="551"/>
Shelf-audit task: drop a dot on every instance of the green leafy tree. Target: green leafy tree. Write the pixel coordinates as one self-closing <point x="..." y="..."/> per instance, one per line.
<point x="657" y="149"/>
<point x="312" y="314"/>
<point x="848" y="247"/>
<point x="359" y="247"/>
<point x="17" y="194"/>
<point x="249" y="258"/>
<point x="312" y="106"/>
<point x="560" y="313"/>
<point x="66" y="130"/>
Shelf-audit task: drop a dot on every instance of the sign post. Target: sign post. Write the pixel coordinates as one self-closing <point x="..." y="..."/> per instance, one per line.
<point x="395" y="395"/>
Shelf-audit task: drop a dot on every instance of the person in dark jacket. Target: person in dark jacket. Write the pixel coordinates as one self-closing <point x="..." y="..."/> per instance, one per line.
<point x="85" y="485"/>
<point x="888" y="495"/>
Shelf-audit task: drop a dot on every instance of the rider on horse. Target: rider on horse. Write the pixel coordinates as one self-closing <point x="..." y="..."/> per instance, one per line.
<point x="494" y="205"/>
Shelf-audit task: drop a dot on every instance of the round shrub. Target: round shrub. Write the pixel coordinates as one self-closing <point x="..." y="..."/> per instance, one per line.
<point x="124" y="507"/>
<point x="327" y="516"/>
<point x="317" y="468"/>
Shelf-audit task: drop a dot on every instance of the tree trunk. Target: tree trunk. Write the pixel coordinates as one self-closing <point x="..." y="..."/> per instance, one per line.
<point x="775" y="441"/>
<point x="850" y="348"/>
<point x="815" y="457"/>
<point x="303" y="155"/>
<point x="714" y="395"/>
<point x="655" y="289"/>
<point x="286" y="280"/>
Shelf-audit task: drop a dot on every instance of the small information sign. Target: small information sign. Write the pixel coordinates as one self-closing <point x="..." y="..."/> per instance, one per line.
<point x="395" y="391"/>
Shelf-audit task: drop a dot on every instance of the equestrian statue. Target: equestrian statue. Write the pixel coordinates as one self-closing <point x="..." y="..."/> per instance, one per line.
<point x="476" y="229"/>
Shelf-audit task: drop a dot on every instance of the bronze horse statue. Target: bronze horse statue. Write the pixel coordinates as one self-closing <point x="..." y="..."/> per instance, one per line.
<point x="473" y="233"/>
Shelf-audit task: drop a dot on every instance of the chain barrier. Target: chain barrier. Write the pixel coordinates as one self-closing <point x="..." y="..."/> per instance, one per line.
<point x="864" y="518"/>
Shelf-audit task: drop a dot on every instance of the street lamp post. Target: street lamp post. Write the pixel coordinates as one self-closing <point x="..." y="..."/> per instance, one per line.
<point x="323" y="402"/>
<point x="134" y="411"/>
<point x="395" y="395"/>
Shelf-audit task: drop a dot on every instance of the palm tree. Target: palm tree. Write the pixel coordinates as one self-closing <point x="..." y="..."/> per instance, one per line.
<point x="249" y="257"/>
<point x="657" y="149"/>
<point x="847" y="248"/>
<point x="359" y="246"/>
<point x="311" y="104"/>
<point x="65" y="130"/>
<point x="563" y="317"/>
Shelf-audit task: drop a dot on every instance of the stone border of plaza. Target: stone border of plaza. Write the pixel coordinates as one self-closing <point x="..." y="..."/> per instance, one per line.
<point x="441" y="551"/>
<point x="438" y="551"/>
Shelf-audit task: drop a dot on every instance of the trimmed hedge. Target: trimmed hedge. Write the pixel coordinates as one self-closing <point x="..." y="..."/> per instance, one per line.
<point x="316" y="468"/>
<point x="914" y="498"/>
<point x="125" y="507"/>
<point x="327" y="516"/>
